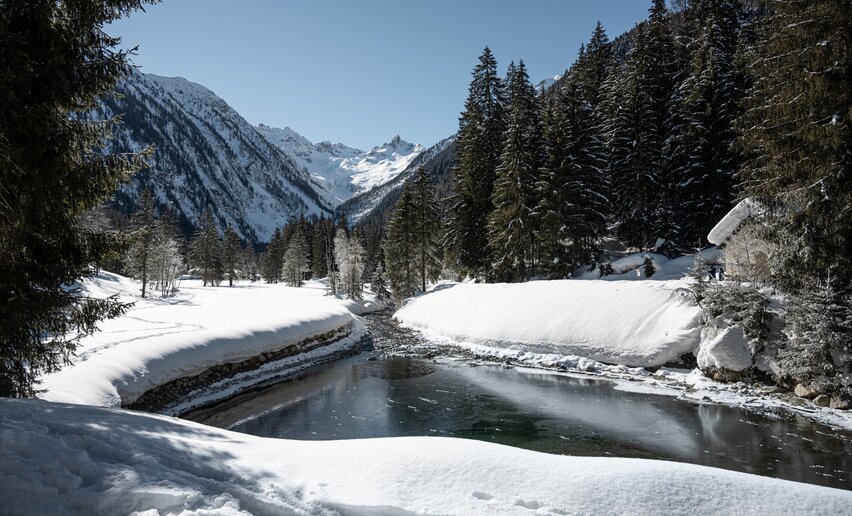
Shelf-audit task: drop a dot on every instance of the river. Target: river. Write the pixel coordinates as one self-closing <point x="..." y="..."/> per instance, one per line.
<point x="377" y="395"/>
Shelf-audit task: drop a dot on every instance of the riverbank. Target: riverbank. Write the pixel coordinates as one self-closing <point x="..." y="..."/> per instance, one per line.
<point x="686" y="383"/>
<point x="205" y="343"/>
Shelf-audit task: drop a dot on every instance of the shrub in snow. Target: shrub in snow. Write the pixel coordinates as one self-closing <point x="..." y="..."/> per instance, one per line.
<point x="736" y="324"/>
<point x="648" y="266"/>
<point x="817" y="342"/>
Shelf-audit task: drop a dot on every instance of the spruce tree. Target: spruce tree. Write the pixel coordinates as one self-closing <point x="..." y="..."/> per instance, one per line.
<point x="586" y="185"/>
<point x="249" y="262"/>
<point x="479" y="146"/>
<point x="379" y="283"/>
<point x="797" y="148"/>
<point x="589" y="72"/>
<point x="232" y="254"/>
<point x="296" y="263"/>
<point x="633" y="133"/>
<point x="55" y="61"/>
<point x="322" y="230"/>
<point x="511" y="224"/>
<point x="553" y="207"/>
<point x="272" y="262"/>
<point x="709" y="108"/>
<point x="427" y="225"/>
<point x="797" y="129"/>
<point x="205" y="250"/>
<point x="400" y="245"/>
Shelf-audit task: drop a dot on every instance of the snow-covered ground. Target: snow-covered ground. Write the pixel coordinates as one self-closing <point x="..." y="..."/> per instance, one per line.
<point x="632" y="323"/>
<point x="160" y="340"/>
<point x="58" y="458"/>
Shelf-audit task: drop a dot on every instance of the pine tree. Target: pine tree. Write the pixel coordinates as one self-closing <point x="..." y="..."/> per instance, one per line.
<point x="249" y="262"/>
<point x="296" y="263"/>
<point x="552" y="210"/>
<point x="797" y="148"/>
<point x="427" y="224"/>
<point x="634" y="144"/>
<point x="379" y="283"/>
<point x="322" y="230"/>
<point x="55" y="61"/>
<point x="511" y="225"/>
<point x="796" y="130"/>
<point x="586" y="185"/>
<point x="590" y="70"/>
<point x="479" y="146"/>
<point x="706" y="136"/>
<point x="272" y="262"/>
<point x="232" y="254"/>
<point x="400" y="245"/>
<point x="205" y="250"/>
<point x="143" y="240"/>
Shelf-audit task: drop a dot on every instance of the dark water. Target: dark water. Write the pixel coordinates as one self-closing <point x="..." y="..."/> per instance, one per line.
<point x="528" y="409"/>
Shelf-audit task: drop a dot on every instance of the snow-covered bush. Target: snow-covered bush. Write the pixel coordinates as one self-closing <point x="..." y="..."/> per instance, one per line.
<point x="817" y="342"/>
<point x="742" y="305"/>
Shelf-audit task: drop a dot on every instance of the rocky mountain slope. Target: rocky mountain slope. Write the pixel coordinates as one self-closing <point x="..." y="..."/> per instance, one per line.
<point x="207" y="156"/>
<point x="342" y="171"/>
<point x="377" y="202"/>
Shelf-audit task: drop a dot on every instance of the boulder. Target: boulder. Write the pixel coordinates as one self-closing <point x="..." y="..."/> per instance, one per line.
<point x="840" y="402"/>
<point x="822" y="400"/>
<point x="804" y="391"/>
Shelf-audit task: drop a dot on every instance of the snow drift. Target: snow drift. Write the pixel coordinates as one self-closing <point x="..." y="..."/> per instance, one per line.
<point x="632" y="323"/>
<point x="58" y="458"/>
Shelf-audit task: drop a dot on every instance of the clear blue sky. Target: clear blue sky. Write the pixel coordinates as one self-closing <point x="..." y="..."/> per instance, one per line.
<point x="359" y="72"/>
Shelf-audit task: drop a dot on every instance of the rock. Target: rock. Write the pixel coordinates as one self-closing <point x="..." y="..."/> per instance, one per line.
<point x="803" y="391"/>
<point x="822" y="400"/>
<point x="590" y="368"/>
<point x="840" y="403"/>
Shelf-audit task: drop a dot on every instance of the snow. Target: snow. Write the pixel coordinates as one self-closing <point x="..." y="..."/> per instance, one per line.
<point x="732" y="221"/>
<point x="634" y="323"/>
<point x="728" y="349"/>
<point x="160" y="340"/>
<point x="343" y="171"/>
<point x="59" y="458"/>
<point x="665" y="269"/>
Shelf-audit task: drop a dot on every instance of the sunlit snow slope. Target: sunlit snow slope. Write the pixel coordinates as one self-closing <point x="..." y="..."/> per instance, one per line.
<point x="340" y="170"/>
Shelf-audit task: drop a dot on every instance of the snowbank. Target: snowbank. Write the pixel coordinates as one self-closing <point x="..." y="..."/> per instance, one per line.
<point x="160" y="340"/>
<point x="59" y="458"/>
<point x="643" y="324"/>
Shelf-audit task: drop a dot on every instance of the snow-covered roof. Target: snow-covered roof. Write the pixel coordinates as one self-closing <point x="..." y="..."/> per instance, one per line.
<point x="730" y="222"/>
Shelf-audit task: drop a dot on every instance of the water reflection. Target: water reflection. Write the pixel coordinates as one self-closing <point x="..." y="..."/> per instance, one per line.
<point x="538" y="411"/>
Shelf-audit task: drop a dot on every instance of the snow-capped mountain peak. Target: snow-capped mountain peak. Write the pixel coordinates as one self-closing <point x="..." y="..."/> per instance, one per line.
<point x="340" y="170"/>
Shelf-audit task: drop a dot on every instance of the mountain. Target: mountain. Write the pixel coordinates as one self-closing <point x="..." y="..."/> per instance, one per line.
<point x="341" y="171"/>
<point x="547" y="83"/>
<point x="207" y="155"/>
<point x="376" y="204"/>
